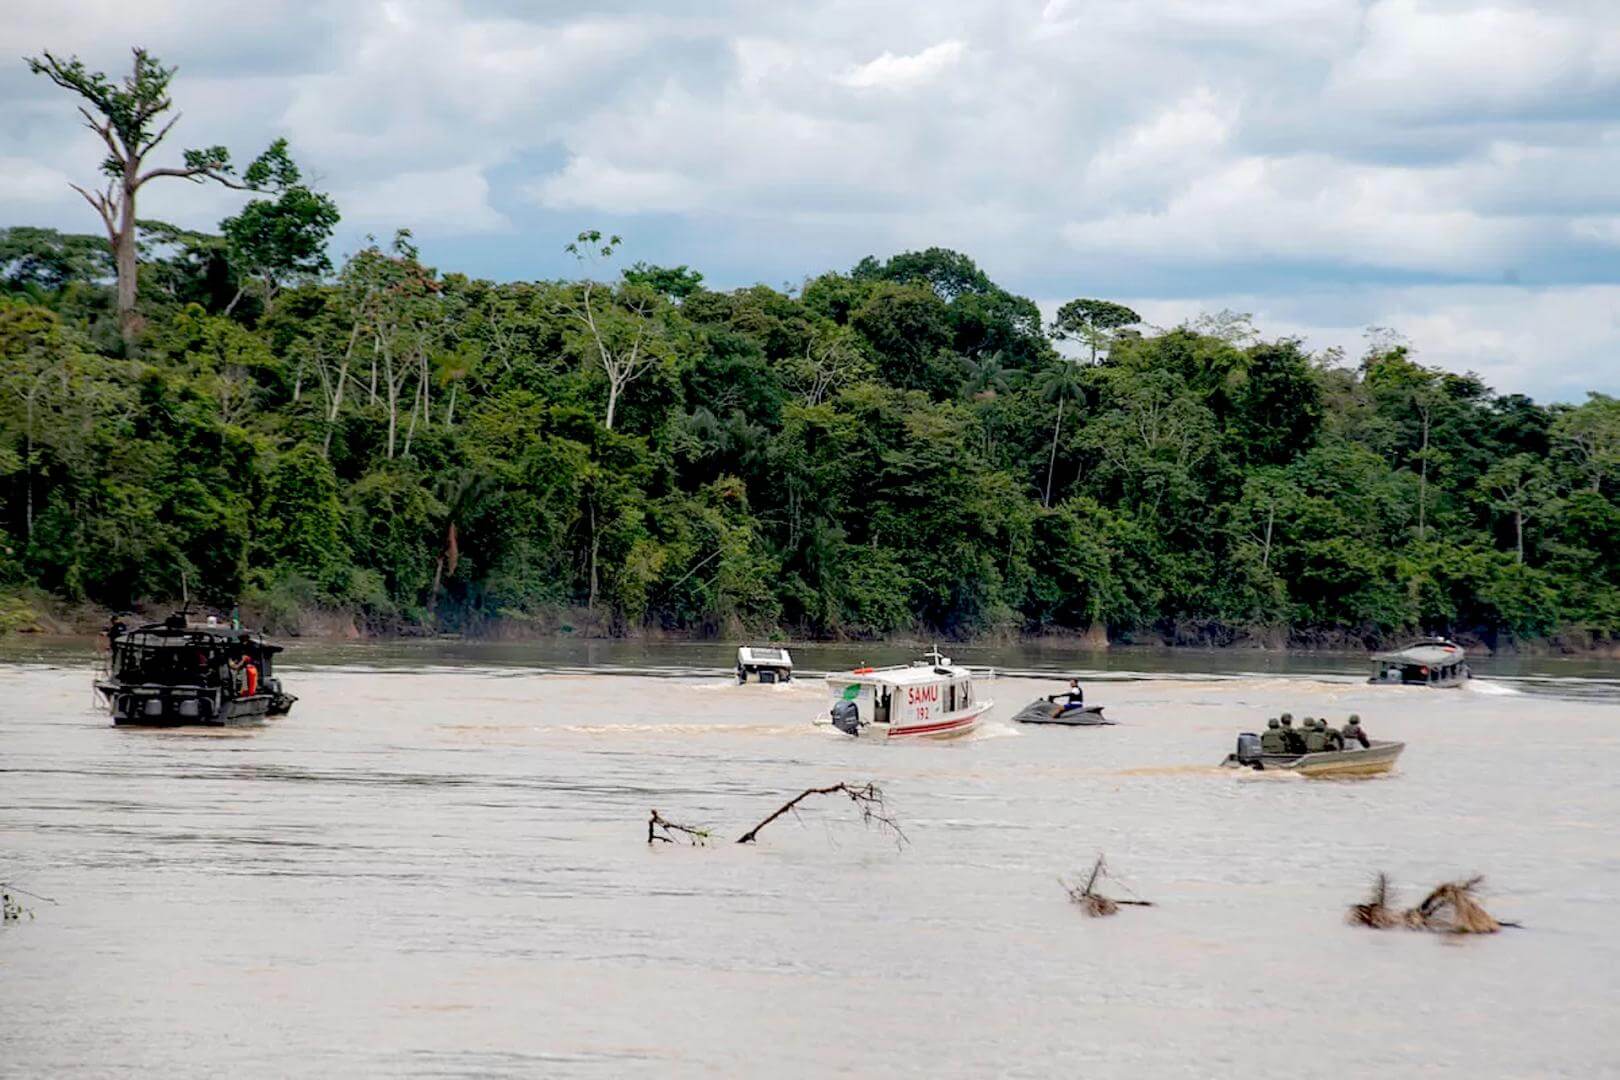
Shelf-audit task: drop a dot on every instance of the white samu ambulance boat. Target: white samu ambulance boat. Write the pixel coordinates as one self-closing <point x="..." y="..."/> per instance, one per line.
<point x="930" y="699"/>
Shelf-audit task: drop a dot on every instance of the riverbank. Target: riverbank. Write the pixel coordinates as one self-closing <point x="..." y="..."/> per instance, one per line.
<point x="38" y="614"/>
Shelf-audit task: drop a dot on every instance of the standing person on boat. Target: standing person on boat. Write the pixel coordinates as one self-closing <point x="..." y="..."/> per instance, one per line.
<point x="244" y="672"/>
<point x="1353" y="732"/>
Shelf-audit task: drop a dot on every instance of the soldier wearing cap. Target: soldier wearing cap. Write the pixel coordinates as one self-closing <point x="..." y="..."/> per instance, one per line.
<point x="1273" y="741"/>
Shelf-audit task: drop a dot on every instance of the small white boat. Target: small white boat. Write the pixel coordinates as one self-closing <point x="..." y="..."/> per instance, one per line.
<point x="766" y="665"/>
<point x="1430" y="662"/>
<point x="929" y="699"/>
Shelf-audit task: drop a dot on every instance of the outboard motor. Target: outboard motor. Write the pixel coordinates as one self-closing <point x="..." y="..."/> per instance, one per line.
<point x="1248" y="748"/>
<point x="846" y="717"/>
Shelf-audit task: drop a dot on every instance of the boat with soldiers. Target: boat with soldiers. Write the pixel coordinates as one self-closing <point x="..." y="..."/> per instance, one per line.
<point x="178" y="672"/>
<point x="1428" y="662"/>
<point x="1315" y="749"/>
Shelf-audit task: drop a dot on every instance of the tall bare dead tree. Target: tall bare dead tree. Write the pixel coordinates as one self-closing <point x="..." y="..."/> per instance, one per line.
<point x="126" y="116"/>
<point x="620" y="324"/>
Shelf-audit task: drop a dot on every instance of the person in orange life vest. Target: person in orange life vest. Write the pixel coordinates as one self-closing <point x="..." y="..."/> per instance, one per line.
<point x="247" y="672"/>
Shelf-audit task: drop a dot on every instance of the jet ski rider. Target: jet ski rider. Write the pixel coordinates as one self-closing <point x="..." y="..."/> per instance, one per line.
<point x="1074" y="698"/>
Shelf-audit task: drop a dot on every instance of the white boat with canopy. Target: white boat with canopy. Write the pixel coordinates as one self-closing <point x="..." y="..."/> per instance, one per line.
<point x="765" y="663"/>
<point x="1429" y="662"/>
<point x="931" y="698"/>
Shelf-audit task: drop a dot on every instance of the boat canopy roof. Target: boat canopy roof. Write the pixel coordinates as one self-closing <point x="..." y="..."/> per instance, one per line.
<point x="1432" y="652"/>
<point x="907" y="675"/>
<point x="175" y="633"/>
<point x="766" y="655"/>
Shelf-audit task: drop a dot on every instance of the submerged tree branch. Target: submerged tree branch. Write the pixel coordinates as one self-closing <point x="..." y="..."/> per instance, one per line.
<point x="868" y="796"/>
<point x="660" y="829"/>
<point x="1091" y="901"/>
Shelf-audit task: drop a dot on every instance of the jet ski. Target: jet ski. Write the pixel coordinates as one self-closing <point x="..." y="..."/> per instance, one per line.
<point x="1068" y="714"/>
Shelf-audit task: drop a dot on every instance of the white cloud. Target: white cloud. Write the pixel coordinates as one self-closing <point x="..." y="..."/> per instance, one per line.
<point x="1300" y="209"/>
<point x="452" y="200"/>
<point x="1604" y="230"/>
<point x="891" y="72"/>
<point x="25" y="181"/>
<point x="588" y="183"/>
<point x="1183" y="136"/>
<point x="1310" y="153"/>
<point x="1553" y="343"/>
<point x="1420" y="58"/>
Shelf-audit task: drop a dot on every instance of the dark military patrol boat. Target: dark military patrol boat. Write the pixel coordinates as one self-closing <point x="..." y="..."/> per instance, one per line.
<point x="178" y="672"/>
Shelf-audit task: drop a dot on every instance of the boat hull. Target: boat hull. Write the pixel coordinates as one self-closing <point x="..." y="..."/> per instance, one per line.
<point x="951" y="727"/>
<point x="1434" y="684"/>
<point x="1044" y="712"/>
<point x="175" y="707"/>
<point x="1362" y="761"/>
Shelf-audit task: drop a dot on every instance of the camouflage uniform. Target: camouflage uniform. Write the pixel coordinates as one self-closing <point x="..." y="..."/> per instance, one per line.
<point x="1291" y="738"/>
<point x="1353" y="732"/>
<point x="1273" y="741"/>
<point x="1315" y="741"/>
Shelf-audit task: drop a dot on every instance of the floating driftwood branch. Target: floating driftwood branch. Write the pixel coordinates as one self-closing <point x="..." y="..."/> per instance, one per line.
<point x="660" y="829"/>
<point x="1450" y="908"/>
<point x="868" y="796"/>
<point x="1091" y="901"/>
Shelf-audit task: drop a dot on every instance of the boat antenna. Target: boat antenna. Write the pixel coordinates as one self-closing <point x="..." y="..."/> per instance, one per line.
<point x="185" y="594"/>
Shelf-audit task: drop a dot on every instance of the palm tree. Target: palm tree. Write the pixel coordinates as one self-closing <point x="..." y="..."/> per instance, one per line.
<point x="1060" y="383"/>
<point x="986" y="378"/>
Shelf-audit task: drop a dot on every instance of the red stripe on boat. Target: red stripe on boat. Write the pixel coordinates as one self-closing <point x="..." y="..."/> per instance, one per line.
<point x="926" y="728"/>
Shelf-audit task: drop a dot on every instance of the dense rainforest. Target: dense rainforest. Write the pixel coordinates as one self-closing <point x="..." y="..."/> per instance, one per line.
<point x="905" y="447"/>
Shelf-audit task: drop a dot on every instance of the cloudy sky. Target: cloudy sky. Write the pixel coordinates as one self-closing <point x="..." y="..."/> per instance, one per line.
<point x="1444" y="167"/>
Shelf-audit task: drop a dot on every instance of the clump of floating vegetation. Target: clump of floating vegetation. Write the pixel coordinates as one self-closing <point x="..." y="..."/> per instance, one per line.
<point x="1450" y="908"/>
<point x="1376" y="911"/>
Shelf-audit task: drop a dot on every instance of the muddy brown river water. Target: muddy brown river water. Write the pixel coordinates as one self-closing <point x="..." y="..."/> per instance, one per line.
<point x="437" y="866"/>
